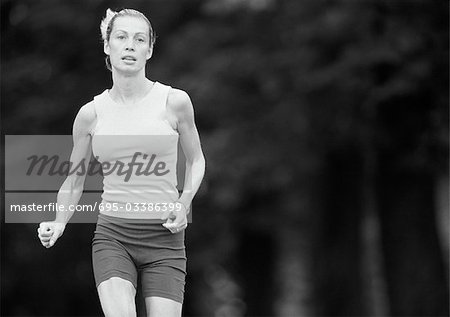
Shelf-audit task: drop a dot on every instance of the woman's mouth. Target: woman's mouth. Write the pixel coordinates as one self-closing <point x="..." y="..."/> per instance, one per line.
<point x="129" y="58"/>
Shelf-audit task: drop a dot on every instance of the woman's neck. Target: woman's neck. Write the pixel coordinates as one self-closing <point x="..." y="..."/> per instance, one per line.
<point x="129" y="89"/>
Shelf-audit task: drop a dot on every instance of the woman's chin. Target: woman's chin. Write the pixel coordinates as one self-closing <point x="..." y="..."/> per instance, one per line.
<point x="128" y="68"/>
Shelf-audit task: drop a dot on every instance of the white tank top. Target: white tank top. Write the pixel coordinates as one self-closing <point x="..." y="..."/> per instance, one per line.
<point x="137" y="148"/>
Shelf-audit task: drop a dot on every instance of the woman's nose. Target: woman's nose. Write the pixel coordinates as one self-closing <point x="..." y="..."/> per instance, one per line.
<point x="129" y="46"/>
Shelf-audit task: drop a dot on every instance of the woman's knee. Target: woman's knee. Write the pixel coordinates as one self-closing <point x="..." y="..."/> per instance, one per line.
<point x="117" y="297"/>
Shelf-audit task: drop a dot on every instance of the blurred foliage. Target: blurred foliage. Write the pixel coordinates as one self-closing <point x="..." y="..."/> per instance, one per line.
<point x="278" y="86"/>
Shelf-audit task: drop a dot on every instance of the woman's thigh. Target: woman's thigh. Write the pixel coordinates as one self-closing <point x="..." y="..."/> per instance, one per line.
<point x="160" y="306"/>
<point x="117" y="297"/>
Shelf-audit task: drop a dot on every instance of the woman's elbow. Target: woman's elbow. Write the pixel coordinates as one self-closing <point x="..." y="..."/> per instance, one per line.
<point x="73" y="184"/>
<point x="201" y="161"/>
<point x="198" y="161"/>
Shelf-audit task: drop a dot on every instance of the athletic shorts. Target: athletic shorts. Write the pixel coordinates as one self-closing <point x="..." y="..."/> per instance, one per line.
<point x="127" y="248"/>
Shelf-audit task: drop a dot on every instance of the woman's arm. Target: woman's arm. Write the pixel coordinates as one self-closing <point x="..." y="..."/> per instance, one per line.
<point x="180" y="107"/>
<point x="72" y="188"/>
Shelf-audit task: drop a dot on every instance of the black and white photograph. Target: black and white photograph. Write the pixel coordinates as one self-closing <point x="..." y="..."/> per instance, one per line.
<point x="225" y="158"/>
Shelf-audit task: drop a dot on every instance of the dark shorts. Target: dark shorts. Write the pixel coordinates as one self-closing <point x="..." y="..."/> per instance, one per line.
<point x="127" y="248"/>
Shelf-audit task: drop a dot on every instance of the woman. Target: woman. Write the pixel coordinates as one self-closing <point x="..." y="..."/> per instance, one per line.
<point x="137" y="121"/>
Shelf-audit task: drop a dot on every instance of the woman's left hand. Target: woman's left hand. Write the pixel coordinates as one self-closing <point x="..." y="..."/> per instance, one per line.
<point x="176" y="219"/>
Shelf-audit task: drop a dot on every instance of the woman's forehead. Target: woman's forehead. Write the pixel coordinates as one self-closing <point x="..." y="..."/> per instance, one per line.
<point x="130" y="24"/>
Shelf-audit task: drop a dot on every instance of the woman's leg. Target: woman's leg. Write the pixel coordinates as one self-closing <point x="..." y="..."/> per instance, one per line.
<point x="160" y="306"/>
<point x="117" y="297"/>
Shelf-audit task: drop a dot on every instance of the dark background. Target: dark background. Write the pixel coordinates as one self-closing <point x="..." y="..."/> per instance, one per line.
<point x="325" y="129"/>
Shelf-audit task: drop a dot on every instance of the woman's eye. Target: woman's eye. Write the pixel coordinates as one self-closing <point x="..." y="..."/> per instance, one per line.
<point x="141" y="40"/>
<point x="120" y="37"/>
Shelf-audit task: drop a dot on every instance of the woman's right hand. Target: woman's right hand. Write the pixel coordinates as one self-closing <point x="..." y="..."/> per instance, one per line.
<point x="49" y="232"/>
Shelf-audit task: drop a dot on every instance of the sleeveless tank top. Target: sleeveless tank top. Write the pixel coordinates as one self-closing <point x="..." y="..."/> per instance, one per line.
<point x="137" y="150"/>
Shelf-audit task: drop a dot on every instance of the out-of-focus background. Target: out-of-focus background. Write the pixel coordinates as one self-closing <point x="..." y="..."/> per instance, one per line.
<point x="325" y="129"/>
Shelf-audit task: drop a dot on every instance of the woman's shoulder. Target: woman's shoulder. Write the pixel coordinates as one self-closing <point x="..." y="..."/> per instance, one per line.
<point x="86" y="117"/>
<point x="88" y="111"/>
<point x="178" y="100"/>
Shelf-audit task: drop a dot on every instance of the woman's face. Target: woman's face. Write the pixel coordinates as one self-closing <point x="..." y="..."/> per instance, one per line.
<point x="129" y="44"/>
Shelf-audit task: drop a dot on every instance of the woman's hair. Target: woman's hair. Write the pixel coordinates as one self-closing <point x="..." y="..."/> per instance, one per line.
<point x="107" y="24"/>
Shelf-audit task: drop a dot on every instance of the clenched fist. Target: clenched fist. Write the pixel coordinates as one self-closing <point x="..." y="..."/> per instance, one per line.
<point x="49" y="232"/>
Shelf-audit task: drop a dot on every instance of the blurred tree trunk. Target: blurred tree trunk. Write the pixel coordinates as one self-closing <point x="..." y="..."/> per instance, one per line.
<point x="442" y="219"/>
<point x="372" y="254"/>
<point x="337" y="271"/>
<point x="256" y="255"/>
<point x="293" y="295"/>
<point x="414" y="266"/>
<point x="295" y="245"/>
